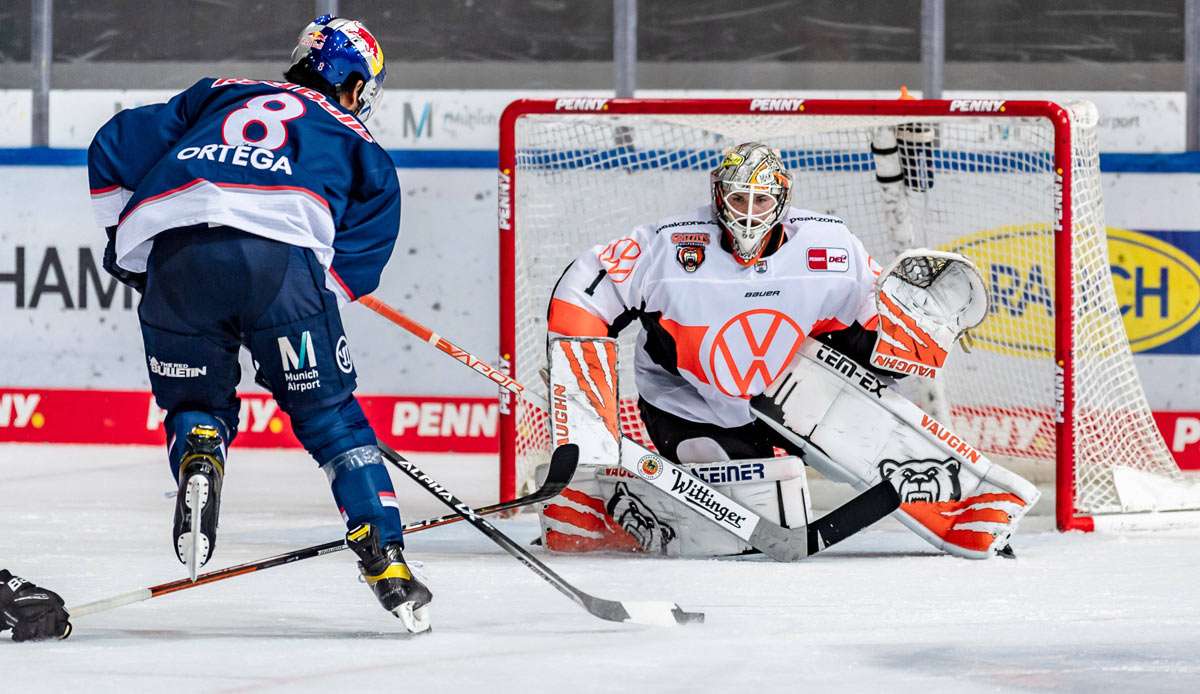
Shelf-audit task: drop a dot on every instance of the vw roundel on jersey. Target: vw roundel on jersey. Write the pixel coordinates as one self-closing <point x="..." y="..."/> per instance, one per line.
<point x="270" y="158"/>
<point x="717" y="332"/>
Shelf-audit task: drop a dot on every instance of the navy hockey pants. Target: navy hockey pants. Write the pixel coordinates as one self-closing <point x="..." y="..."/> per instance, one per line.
<point x="210" y="291"/>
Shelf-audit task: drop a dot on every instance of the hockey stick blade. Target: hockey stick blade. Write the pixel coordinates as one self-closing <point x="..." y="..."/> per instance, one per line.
<point x="856" y="514"/>
<point x="562" y="469"/>
<point x="654" y="613"/>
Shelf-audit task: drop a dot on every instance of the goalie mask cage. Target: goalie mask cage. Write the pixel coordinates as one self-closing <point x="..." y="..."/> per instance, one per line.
<point x="1012" y="185"/>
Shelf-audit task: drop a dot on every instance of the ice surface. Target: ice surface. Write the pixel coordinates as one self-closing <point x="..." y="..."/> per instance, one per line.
<point x="880" y="612"/>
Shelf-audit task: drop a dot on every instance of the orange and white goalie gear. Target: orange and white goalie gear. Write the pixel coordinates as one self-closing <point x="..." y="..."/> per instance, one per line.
<point x="716" y="332"/>
<point x="926" y="301"/>
<point x="583" y="411"/>
<point x="773" y="488"/>
<point x="583" y="397"/>
<point x="608" y="509"/>
<point x="577" y="520"/>
<point x="952" y="495"/>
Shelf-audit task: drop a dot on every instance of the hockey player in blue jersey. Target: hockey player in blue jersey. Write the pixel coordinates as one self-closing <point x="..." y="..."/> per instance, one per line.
<point x="246" y="212"/>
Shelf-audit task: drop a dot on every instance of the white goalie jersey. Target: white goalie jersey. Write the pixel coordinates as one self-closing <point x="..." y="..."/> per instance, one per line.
<point x="717" y="332"/>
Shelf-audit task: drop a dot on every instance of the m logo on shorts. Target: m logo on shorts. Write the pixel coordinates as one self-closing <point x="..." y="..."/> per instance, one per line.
<point x="293" y="361"/>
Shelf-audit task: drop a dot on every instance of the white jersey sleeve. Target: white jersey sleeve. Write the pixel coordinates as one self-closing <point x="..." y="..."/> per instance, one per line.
<point x="600" y="286"/>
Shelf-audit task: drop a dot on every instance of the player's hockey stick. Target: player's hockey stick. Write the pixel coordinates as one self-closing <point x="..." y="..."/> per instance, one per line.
<point x="641" y="612"/>
<point x="562" y="468"/>
<point x="777" y="542"/>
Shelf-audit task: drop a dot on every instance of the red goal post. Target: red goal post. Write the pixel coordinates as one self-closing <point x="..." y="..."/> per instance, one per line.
<point x="1012" y="184"/>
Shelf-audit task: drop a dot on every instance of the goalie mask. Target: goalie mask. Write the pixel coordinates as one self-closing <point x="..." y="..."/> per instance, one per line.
<point x="751" y="189"/>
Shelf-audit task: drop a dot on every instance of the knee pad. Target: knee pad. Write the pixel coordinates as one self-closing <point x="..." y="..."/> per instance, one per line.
<point x="327" y="432"/>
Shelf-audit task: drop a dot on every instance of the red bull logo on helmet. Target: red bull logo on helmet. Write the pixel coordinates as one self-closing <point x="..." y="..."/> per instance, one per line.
<point x="368" y="46"/>
<point x="313" y="39"/>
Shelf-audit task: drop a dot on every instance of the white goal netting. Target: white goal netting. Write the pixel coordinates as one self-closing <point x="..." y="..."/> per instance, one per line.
<point x="981" y="185"/>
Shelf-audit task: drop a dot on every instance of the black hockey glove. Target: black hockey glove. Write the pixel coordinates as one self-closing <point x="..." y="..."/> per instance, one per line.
<point x="137" y="280"/>
<point x="32" y="613"/>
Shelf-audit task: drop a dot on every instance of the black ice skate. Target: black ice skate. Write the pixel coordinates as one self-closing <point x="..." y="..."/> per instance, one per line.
<point x="388" y="575"/>
<point x="198" y="501"/>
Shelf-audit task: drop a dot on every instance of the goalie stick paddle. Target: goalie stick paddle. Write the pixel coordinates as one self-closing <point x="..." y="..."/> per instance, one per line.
<point x="562" y="469"/>
<point x="641" y="612"/>
<point x="777" y="542"/>
<point x="772" y="539"/>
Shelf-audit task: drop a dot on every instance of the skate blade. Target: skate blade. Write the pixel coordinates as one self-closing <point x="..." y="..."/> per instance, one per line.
<point x="416" y="621"/>
<point x="194" y="546"/>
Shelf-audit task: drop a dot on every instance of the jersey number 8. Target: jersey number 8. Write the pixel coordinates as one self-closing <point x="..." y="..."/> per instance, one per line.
<point x="270" y="112"/>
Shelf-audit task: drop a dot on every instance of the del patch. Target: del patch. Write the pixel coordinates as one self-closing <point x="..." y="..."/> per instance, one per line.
<point x="828" y="259"/>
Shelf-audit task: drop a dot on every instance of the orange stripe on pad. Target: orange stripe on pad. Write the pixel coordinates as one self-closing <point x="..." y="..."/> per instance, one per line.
<point x="561" y="542"/>
<point x="578" y="519"/>
<point x="970" y="539"/>
<point x="603" y="398"/>
<point x="578" y="497"/>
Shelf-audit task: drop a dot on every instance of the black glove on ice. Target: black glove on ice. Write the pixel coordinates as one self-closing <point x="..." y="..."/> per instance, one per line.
<point x="32" y="613"/>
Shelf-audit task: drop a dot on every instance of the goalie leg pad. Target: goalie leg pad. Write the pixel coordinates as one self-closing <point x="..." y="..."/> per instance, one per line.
<point x="859" y="430"/>
<point x="583" y="395"/>
<point x="608" y="509"/>
<point x="578" y="520"/>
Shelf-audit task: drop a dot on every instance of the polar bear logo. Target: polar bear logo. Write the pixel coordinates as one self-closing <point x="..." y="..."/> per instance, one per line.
<point x="637" y="519"/>
<point x="923" y="480"/>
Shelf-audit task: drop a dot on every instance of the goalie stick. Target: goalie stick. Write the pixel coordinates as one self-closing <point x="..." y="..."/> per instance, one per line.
<point x="772" y="539"/>
<point x="641" y="612"/>
<point x="562" y="469"/>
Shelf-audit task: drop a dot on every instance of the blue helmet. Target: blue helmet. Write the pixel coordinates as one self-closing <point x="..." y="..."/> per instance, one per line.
<point x="336" y="48"/>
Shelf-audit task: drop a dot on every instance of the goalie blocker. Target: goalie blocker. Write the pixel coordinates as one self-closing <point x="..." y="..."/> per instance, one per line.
<point x="609" y="508"/>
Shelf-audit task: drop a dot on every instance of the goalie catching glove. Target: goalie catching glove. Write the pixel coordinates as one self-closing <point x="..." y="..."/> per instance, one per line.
<point x="926" y="300"/>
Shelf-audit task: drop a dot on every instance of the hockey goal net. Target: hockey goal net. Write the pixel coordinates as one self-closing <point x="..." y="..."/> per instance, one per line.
<point x="1013" y="185"/>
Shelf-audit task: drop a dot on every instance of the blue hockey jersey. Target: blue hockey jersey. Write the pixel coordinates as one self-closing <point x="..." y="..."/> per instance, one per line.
<point x="270" y="158"/>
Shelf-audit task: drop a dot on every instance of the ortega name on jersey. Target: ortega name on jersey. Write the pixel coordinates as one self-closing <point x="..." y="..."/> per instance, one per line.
<point x="242" y="155"/>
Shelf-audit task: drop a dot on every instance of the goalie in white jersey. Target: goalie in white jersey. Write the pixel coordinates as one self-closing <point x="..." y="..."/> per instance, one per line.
<point x="727" y="295"/>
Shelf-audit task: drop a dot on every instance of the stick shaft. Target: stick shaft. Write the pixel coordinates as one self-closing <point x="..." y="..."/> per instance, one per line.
<point x="610" y="610"/>
<point x="470" y="360"/>
<point x="270" y="562"/>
